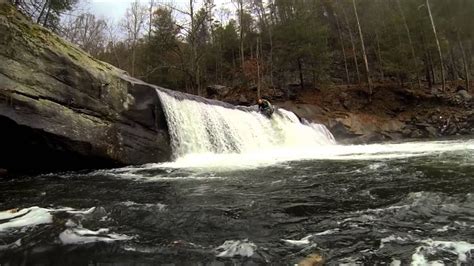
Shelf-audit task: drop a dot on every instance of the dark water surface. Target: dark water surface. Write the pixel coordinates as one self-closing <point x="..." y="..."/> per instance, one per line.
<point x="401" y="207"/>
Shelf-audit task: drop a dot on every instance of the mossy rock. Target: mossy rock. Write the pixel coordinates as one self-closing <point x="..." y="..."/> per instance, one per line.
<point x="58" y="103"/>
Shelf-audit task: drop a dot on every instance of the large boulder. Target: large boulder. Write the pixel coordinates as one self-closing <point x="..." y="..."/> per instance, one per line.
<point x="217" y="91"/>
<point x="363" y="128"/>
<point x="62" y="109"/>
<point x="466" y="96"/>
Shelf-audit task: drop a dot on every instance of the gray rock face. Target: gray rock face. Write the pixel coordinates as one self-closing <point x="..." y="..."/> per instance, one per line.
<point x="61" y="109"/>
<point x="465" y="95"/>
<point x="217" y="90"/>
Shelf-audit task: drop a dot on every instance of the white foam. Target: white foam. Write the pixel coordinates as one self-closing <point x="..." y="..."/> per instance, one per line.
<point x="232" y="248"/>
<point x="278" y="155"/>
<point x="461" y="248"/>
<point x="72" y="211"/>
<point x="84" y="236"/>
<point x="27" y="217"/>
<point x="74" y="234"/>
<point x="302" y="242"/>
<point x="391" y="238"/>
<point x="305" y="240"/>
<point x="445" y="228"/>
<point x="395" y="262"/>
<point x="159" y="206"/>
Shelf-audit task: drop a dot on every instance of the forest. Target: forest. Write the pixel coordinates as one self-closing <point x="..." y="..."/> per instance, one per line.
<point x="275" y="43"/>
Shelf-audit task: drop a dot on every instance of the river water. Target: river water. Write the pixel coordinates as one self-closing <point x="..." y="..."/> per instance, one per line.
<point x="398" y="204"/>
<point x="244" y="189"/>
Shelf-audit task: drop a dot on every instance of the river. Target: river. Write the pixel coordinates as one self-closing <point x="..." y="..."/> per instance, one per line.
<point x="244" y="189"/>
<point x="403" y="203"/>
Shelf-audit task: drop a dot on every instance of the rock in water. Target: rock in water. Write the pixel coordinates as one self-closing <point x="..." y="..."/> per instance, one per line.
<point x="61" y="109"/>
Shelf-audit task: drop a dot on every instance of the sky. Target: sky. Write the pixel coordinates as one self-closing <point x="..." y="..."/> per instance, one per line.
<point x="115" y="9"/>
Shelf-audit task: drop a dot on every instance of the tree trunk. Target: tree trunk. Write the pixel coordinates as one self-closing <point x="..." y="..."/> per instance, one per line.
<point x="194" y="59"/>
<point x="379" y="56"/>
<point x="401" y="66"/>
<point x="47" y="14"/>
<point x="351" y="37"/>
<point x="300" y="70"/>
<point x="410" y="42"/>
<point x="151" y="18"/>
<point x="425" y="56"/>
<point x="270" y="35"/>
<point x="364" y="54"/>
<point x="454" y="69"/>
<point x="241" y="17"/>
<point x="427" y="71"/>
<point x="46" y="3"/>
<point x="432" y="68"/>
<point x="443" y="81"/>
<point x="343" y="50"/>
<point x="464" y="61"/>
<point x="16" y="3"/>
<point x="133" y="58"/>
<point x="258" y="69"/>
<point x="469" y="55"/>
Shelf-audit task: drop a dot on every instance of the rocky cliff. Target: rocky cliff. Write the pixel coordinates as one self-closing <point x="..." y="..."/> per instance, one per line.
<point x="62" y="109"/>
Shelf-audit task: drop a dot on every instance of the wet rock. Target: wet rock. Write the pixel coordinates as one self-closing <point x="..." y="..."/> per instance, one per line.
<point x="3" y="172"/>
<point x="416" y="133"/>
<point x="436" y="90"/>
<point x="306" y="111"/>
<point x="217" y="90"/>
<point x="277" y="93"/>
<point x="243" y="100"/>
<point x="341" y="131"/>
<point x="432" y="132"/>
<point x="61" y="109"/>
<point x="394" y="126"/>
<point x="291" y="90"/>
<point x="371" y="137"/>
<point x="357" y="129"/>
<point x="466" y="96"/>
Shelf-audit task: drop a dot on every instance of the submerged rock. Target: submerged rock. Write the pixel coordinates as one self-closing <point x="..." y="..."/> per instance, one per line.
<point x="61" y="109"/>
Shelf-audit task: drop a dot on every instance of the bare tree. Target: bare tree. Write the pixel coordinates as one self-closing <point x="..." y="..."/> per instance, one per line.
<point x="379" y="55"/>
<point x="85" y="30"/>
<point x="440" y="54"/>
<point x="410" y="42"/>
<point x="240" y="7"/>
<point x="366" y="63"/>
<point x="150" y="14"/>
<point x="195" y="28"/>
<point x="133" y="24"/>
<point x="351" y="37"/>
<point x="341" y="40"/>
<point x="464" y="60"/>
<point x="112" y="39"/>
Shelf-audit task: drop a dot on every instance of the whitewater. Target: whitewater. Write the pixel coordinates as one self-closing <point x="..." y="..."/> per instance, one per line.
<point x="244" y="189"/>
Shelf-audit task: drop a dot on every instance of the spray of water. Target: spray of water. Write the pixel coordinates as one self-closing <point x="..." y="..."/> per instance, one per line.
<point x="200" y="128"/>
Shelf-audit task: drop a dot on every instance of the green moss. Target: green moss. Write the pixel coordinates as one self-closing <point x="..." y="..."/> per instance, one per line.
<point x="7" y="9"/>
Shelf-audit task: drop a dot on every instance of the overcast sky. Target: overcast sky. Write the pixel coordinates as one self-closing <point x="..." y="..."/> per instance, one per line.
<point x="115" y="9"/>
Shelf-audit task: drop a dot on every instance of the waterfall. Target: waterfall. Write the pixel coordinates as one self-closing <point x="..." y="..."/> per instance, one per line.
<point x="197" y="127"/>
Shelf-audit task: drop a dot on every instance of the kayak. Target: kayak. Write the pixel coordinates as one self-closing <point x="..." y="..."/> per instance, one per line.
<point x="267" y="111"/>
